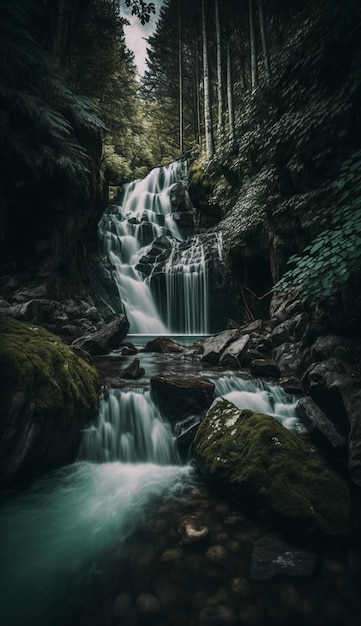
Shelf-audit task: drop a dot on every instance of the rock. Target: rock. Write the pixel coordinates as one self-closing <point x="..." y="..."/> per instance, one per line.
<point x="163" y="345"/>
<point x="333" y="346"/>
<point x="258" y="463"/>
<point x="288" y="357"/>
<point x="271" y="557"/>
<point x="180" y="397"/>
<point x="291" y="384"/>
<point x="322" y="429"/>
<point x="282" y="333"/>
<point x="148" y="604"/>
<point x="128" y="349"/>
<point x="185" y="430"/>
<point x="264" y="367"/>
<point x="133" y="371"/>
<point x="215" y="346"/>
<point x="253" y="327"/>
<point x="217" y="553"/>
<point x="283" y="308"/>
<point x="338" y="394"/>
<point x="107" y="338"/>
<point x="191" y="529"/>
<point x="234" y="353"/>
<point x="314" y="329"/>
<point x="47" y="395"/>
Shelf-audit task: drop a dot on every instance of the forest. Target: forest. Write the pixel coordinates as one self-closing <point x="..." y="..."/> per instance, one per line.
<point x="180" y="313"/>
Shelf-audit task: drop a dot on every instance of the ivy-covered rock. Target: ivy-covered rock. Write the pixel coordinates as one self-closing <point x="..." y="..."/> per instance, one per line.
<point x="47" y="395"/>
<point x="268" y="469"/>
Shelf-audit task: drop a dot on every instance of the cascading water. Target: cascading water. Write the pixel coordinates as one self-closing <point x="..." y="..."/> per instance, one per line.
<point x="144" y="214"/>
<point x="262" y="397"/>
<point x="129" y="429"/>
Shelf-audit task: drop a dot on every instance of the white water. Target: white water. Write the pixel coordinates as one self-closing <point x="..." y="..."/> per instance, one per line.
<point x="54" y="533"/>
<point x="262" y="397"/>
<point x="129" y="429"/>
<point x="145" y="212"/>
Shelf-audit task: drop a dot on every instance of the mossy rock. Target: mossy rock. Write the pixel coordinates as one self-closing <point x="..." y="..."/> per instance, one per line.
<point x="272" y="472"/>
<point x="47" y="395"/>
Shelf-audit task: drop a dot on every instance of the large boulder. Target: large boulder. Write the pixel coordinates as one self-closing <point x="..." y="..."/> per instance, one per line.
<point x="234" y="354"/>
<point x="47" y="395"/>
<point x="214" y="346"/>
<point x="265" y="467"/>
<point x="179" y="397"/>
<point x="337" y="391"/>
<point x="322" y="429"/>
<point x="107" y="338"/>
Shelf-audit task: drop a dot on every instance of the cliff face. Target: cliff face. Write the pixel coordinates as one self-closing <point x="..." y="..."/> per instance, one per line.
<point x="297" y="143"/>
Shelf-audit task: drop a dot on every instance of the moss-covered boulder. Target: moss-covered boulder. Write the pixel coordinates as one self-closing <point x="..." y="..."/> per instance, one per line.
<point x="47" y="394"/>
<point x="269" y="470"/>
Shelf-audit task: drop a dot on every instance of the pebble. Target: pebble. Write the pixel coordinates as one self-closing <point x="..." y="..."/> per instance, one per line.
<point x="148" y="604"/>
<point x="217" y="553"/>
<point x="191" y="529"/>
<point x="217" y="614"/>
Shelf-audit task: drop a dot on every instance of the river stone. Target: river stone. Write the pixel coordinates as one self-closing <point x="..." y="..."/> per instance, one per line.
<point x="322" y="429"/>
<point x="47" y="395"/>
<point x="217" y="614"/>
<point x="215" y="346"/>
<point x="148" y="604"/>
<point x="260" y="464"/>
<point x="191" y="529"/>
<point x="163" y="345"/>
<point x="107" y="338"/>
<point x="133" y="371"/>
<point x="272" y="557"/>
<point x="233" y="354"/>
<point x="181" y="397"/>
<point x="288" y="358"/>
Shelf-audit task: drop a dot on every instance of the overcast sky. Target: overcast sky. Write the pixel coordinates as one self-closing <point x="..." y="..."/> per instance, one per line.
<point x="136" y="34"/>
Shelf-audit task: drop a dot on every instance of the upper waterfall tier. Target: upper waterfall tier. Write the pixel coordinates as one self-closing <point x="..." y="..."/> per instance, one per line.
<point x="144" y="236"/>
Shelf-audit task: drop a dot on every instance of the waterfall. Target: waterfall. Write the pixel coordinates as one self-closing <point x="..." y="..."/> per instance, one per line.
<point x="145" y="213"/>
<point x="130" y="429"/>
<point x="262" y="397"/>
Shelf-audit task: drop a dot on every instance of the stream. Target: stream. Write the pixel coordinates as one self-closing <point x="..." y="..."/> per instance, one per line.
<point x="104" y="542"/>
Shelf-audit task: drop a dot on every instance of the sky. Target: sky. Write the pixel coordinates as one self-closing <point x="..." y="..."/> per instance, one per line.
<point x="136" y="34"/>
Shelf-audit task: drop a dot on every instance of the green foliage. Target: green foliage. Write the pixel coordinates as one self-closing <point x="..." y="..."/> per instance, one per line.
<point x="334" y="255"/>
<point x="141" y="9"/>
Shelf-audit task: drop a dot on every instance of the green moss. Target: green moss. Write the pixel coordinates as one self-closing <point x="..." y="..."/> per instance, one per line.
<point x="250" y="449"/>
<point x="58" y="383"/>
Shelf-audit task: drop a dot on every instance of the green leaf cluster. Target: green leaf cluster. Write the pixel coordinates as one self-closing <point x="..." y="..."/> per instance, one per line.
<point x="334" y="255"/>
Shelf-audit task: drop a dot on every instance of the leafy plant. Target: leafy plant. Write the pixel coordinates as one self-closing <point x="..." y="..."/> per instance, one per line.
<point x="334" y="255"/>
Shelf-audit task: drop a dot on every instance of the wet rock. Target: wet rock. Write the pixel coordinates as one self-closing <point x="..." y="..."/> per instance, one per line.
<point x="333" y="346"/>
<point x="47" y="395"/>
<point x="288" y="357"/>
<point x="128" y="349"/>
<point x="291" y="384"/>
<point x="107" y="338"/>
<point x="180" y="397"/>
<point x="133" y="371"/>
<point x="235" y="351"/>
<point x="282" y="333"/>
<point x="272" y="472"/>
<point x="315" y="329"/>
<point x="215" y="346"/>
<point x="283" y="308"/>
<point x="217" y="553"/>
<point x="191" y="530"/>
<point x="264" y="367"/>
<point x="272" y="557"/>
<point x="163" y="345"/>
<point x="338" y="394"/>
<point x="322" y="429"/>
<point x="172" y="554"/>
<point x="148" y="604"/>
<point x="185" y="430"/>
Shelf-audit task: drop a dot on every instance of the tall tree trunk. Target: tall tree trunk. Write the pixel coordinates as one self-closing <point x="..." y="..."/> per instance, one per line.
<point x="207" y="90"/>
<point x="254" y="73"/>
<point x="198" y="99"/>
<point x="263" y="37"/>
<point x="180" y="78"/>
<point x="230" y="93"/>
<point x="219" y="70"/>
